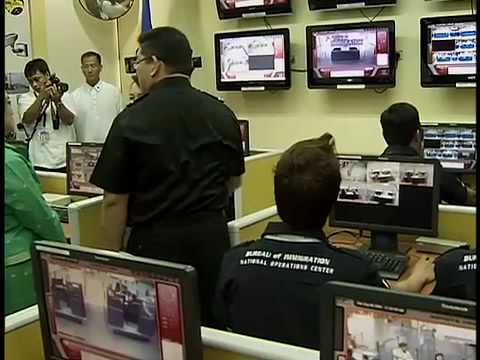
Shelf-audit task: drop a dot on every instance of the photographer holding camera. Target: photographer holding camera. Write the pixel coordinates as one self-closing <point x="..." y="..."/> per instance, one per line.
<point x="47" y="115"/>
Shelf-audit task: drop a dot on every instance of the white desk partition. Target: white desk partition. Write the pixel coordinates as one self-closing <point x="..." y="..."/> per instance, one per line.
<point x="21" y="318"/>
<point x="235" y="226"/>
<point x="467" y="210"/>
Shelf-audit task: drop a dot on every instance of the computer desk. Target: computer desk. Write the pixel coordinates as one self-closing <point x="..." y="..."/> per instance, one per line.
<point x="343" y="240"/>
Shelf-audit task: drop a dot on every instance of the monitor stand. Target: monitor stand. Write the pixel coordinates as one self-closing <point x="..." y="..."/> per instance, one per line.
<point x="386" y="242"/>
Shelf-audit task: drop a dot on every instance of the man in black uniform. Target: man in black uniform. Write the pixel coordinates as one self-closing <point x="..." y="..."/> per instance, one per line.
<point x="271" y="288"/>
<point x="456" y="274"/>
<point x="168" y="164"/>
<point x="402" y="132"/>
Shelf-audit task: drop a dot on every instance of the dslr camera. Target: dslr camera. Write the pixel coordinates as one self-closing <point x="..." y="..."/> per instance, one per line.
<point x="62" y="87"/>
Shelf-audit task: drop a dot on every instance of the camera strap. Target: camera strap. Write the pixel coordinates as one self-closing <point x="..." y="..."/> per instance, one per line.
<point x="42" y="116"/>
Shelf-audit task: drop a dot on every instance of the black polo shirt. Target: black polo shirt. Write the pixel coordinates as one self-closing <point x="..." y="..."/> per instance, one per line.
<point x="271" y="288"/>
<point x="455" y="274"/>
<point x="452" y="190"/>
<point x="173" y="151"/>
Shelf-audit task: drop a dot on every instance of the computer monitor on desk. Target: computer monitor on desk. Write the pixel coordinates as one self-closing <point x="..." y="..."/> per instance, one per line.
<point x="81" y="161"/>
<point x="387" y="196"/>
<point x="102" y="305"/>
<point x="369" y="323"/>
<point x="454" y="145"/>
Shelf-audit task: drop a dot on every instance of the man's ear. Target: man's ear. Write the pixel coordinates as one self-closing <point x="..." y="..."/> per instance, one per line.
<point x="156" y="67"/>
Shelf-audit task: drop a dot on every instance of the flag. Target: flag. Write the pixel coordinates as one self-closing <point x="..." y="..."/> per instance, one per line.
<point x="146" y="16"/>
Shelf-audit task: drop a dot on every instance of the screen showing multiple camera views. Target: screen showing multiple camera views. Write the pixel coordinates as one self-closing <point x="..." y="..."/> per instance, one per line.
<point x="252" y="58"/>
<point x="386" y="193"/>
<point x="351" y="53"/>
<point x="102" y="312"/>
<point x="238" y="4"/>
<point x="81" y="164"/>
<point x="452" y="48"/>
<point x="365" y="331"/>
<point x="455" y="147"/>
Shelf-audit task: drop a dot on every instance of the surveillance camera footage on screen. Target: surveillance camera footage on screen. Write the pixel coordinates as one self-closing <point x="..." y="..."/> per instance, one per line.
<point x="452" y="48"/>
<point x="235" y="4"/>
<point x="351" y="53"/>
<point x="252" y="58"/>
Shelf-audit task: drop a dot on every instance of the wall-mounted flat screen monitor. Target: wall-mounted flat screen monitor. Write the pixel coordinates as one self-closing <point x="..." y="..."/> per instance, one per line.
<point x="351" y="55"/>
<point x="448" y="51"/>
<point x="454" y="145"/>
<point x="347" y="4"/>
<point x="253" y="60"/>
<point x="229" y="9"/>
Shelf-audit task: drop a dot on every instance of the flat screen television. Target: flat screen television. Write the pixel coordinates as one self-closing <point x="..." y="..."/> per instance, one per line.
<point x="229" y="9"/>
<point x="347" y="4"/>
<point x="253" y="60"/>
<point x="448" y="51"/>
<point x="360" y="55"/>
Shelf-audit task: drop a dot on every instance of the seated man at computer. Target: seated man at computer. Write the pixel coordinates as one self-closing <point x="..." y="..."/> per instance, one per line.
<point x="271" y="288"/>
<point x="401" y="130"/>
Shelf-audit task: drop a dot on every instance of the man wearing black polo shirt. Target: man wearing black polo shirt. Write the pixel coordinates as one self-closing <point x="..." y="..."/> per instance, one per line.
<point x="168" y="164"/>
<point x="401" y="130"/>
<point x="271" y="288"/>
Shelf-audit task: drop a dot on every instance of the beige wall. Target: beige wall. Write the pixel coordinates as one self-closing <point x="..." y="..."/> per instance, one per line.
<point x="277" y="118"/>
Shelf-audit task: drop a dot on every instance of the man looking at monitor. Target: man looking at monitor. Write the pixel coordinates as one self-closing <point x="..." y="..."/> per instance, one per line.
<point x="279" y="277"/>
<point x="402" y="132"/>
<point x="401" y="353"/>
<point x="97" y="101"/>
<point x="168" y="164"/>
<point x="47" y="115"/>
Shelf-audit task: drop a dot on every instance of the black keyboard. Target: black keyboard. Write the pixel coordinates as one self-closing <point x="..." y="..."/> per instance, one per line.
<point x="389" y="266"/>
<point x="62" y="213"/>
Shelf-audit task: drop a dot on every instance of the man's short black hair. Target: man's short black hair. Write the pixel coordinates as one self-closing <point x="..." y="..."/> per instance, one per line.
<point x="307" y="182"/>
<point x="169" y="45"/>
<point x="89" y="54"/>
<point x="400" y="122"/>
<point x="34" y="66"/>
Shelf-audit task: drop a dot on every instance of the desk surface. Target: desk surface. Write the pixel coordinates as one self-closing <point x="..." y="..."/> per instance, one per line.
<point x="348" y="241"/>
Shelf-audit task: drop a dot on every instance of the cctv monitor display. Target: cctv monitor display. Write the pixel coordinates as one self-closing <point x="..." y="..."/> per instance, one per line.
<point x="228" y="9"/>
<point x="351" y="54"/>
<point x="81" y="161"/>
<point x="387" y="196"/>
<point x="253" y="59"/>
<point x="367" y="323"/>
<point x="448" y="51"/>
<point x="454" y="145"/>
<point x="347" y="4"/>
<point x="102" y="305"/>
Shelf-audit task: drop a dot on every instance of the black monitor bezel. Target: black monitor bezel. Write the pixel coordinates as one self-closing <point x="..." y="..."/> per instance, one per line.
<point x="323" y="5"/>
<point x="394" y="229"/>
<point x="254" y="11"/>
<point x="267" y="85"/>
<point x="464" y="125"/>
<point x="185" y="273"/>
<point x="71" y="191"/>
<point x="427" y="79"/>
<point x="376" y="295"/>
<point x="331" y="83"/>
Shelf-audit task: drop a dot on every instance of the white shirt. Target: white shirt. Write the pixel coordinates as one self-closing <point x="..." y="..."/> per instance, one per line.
<point x="96" y="106"/>
<point x="48" y="146"/>
<point x="399" y="354"/>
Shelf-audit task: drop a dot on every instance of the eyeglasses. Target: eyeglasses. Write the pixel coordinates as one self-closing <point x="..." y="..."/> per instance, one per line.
<point x="139" y="61"/>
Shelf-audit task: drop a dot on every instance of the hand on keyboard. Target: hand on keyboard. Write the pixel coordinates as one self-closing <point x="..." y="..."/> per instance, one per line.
<point x="424" y="268"/>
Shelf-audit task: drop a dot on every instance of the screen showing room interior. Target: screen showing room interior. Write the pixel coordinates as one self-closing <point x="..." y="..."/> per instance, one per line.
<point x="362" y="53"/>
<point x="452" y="48"/>
<point x="253" y="58"/>
<point x="101" y="312"/>
<point x="367" y="331"/>
<point x="82" y="162"/>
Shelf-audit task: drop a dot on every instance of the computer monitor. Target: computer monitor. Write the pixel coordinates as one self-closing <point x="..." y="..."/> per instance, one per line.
<point x="387" y="196"/>
<point x="454" y="145"/>
<point x="369" y="323"/>
<point x="253" y="60"/>
<point x="81" y="161"/>
<point x="104" y="305"/>
<point x="351" y="55"/>
<point x="229" y="9"/>
<point x="448" y="53"/>
<point x="347" y="4"/>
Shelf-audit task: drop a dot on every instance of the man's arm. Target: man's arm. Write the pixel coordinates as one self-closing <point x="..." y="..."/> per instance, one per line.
<point x="64" y="113"/>
<point x="422" y="274"/>
<point x="234" y="183"/>
<point x="114" y="219"/>
<point x="471" y="196"/>
<point x="33" y="112"/>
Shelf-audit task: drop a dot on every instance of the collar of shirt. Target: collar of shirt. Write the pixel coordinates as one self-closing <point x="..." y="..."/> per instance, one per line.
<point x="400" y="150"/>
<point x="97" y="87"/>
<point x="173" y="81"/>
<point x="283" y="232"/>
